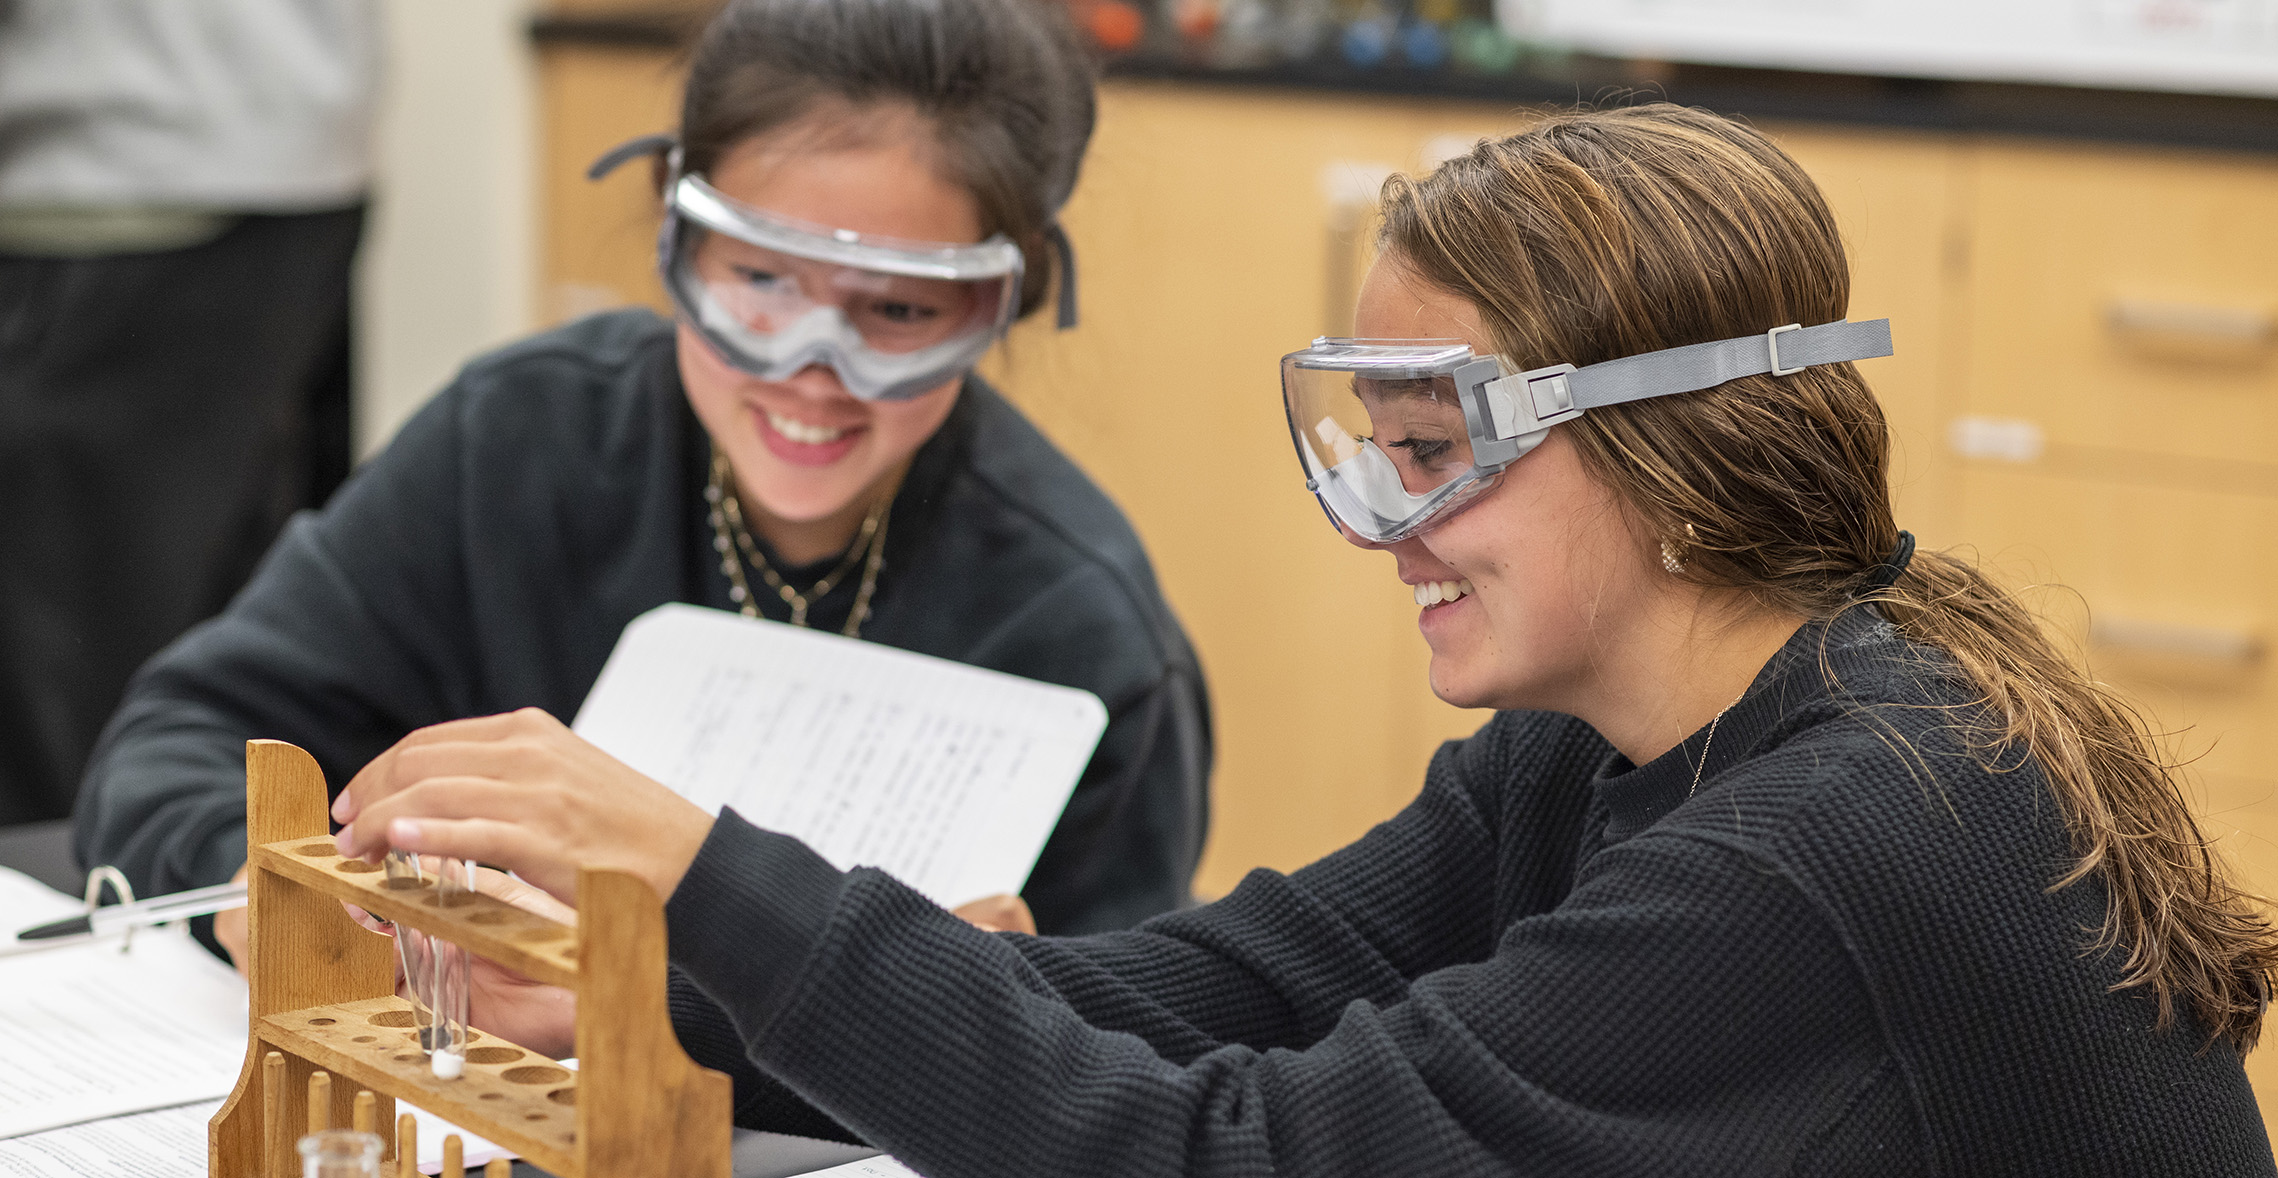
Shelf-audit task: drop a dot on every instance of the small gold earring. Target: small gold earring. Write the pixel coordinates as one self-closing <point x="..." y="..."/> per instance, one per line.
<point x="1669" y="558"/>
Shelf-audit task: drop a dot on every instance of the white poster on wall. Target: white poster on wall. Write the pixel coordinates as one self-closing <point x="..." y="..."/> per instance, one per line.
<point x="2206" y="46"/>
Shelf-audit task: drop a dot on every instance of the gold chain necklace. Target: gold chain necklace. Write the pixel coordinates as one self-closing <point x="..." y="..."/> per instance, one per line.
<point x="1710" y="743"/>
<point x="733" y="541"/>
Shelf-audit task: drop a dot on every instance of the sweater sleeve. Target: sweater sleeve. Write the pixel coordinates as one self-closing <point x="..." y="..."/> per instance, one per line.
<point x="351" y="633"/>
<point x="1191" y="981"/>
<point x="1682" y="1003"/>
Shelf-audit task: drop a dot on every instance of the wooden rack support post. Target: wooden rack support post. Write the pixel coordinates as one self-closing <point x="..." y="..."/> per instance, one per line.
<point x="323" y="998"/>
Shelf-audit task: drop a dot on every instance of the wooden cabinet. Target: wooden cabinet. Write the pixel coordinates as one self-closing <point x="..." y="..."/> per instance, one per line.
<point x="600" y="235"/>
<point x="2123" y="300"/>
<point x="2117" y="323"/>
<point x="2120" y="367"/>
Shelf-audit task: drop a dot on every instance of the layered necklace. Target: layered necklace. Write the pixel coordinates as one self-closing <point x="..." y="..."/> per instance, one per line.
<point x="733" y="540"/>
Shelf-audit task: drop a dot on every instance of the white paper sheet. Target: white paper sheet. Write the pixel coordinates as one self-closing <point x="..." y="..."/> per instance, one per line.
<point x="92" y="1032"/>
<point x="171" y="1143"/>
<point x="881" y="1166"/>
<point x="91" y="1037"/>
<point x="948" y="776"/>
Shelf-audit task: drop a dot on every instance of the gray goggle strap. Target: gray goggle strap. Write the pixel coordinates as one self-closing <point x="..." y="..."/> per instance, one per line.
<point x="1537" y="399"/>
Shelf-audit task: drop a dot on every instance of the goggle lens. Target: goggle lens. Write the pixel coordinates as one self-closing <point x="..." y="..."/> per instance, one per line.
<point x="1415" y="423"/>
<point x="767" y="291"/>
<point x="1384" y="432"/>
<point x="1418" y="423"/>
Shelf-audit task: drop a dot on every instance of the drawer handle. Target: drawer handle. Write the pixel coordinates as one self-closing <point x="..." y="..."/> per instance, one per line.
<point x="2232" y="326"/>
<point x="2003" y="439"/>
<point x="2167" y="639"/>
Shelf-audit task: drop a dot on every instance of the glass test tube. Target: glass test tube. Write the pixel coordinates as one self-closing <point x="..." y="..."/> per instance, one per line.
<point x="340" y="1153"/>
<point x="412" y="953"/>
<point x="453" y="976"/>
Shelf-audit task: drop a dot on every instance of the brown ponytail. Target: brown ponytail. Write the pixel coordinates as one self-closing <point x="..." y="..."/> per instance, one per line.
<point x="1601" y="234"/>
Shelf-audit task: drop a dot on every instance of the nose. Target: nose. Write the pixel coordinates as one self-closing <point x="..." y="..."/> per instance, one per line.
<point x="817" y="382"/>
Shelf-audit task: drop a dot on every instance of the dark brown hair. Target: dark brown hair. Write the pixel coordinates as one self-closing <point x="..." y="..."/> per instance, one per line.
<point x="1599" y="234"/>
<point x="1004" y="85"/>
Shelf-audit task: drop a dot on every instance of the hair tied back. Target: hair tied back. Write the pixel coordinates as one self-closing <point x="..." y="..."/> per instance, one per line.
<point x="1892" y="567"/>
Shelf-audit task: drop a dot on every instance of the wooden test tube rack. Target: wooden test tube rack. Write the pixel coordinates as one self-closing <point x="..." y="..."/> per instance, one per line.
<point x="323" y="995"/>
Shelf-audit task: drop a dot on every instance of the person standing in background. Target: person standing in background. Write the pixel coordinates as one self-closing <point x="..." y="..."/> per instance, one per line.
<point x="182" y="190"/>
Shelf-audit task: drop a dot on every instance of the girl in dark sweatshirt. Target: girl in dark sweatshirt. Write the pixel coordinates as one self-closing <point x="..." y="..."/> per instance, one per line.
<point x="804" y="441"/>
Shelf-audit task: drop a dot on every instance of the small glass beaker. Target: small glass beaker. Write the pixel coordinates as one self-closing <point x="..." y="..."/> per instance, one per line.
<point x="340" y="1153"/>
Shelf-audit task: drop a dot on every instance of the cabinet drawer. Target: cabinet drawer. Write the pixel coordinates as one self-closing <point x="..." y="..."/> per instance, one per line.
<point x="2170" y="591"/>
<point x="2126" y="300"/>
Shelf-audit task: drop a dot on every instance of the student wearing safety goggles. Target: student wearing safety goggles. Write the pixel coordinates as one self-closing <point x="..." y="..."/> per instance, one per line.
<point x="861" y="199"/>
<point x="1793" y="849"/>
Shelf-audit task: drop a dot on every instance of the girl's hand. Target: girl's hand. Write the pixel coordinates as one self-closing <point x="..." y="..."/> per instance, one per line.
<point x="230" y="931"/>
<point x="522" y="792"/>
<point x="1000" y="913"/>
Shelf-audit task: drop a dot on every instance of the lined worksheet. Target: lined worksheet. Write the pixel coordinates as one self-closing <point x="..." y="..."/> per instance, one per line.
<point x="950" y="777"/>
<point x="169" y="1143"/>
<point x="98" y="1027"/>
<point x="92" y="1032"/>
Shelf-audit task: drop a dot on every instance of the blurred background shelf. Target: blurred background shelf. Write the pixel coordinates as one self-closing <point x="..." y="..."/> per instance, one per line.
<point x="1536" y="75"/>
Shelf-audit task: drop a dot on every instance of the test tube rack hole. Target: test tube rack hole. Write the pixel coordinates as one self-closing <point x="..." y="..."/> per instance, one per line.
<point x="320" y="983"/>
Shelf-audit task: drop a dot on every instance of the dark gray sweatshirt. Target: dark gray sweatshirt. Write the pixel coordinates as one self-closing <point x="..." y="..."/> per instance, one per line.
<point x="1835" y="957"/>
<point x="489" y="558"/>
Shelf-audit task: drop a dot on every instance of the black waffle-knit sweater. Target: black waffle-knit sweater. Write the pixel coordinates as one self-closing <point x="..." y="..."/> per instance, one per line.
<point x="1833" y="957"/>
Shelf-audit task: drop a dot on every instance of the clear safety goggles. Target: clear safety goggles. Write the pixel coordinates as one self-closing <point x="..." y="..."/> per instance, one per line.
<point x="772" y="295"/>
<point x="1396" y="435"/>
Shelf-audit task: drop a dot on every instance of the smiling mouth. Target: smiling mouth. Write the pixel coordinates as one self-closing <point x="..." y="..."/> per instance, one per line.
<point x="799" y="431"/>
<point x="1441" y="592"/>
